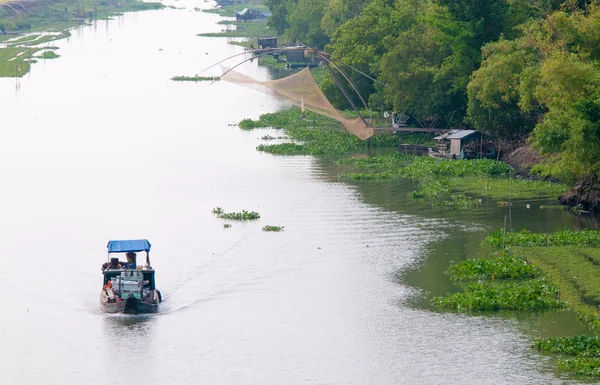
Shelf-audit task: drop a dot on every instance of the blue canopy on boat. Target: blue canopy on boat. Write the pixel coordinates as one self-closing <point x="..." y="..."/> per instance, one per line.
<point x="128" y="245"/>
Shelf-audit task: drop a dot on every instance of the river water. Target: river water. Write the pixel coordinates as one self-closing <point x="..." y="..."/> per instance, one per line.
<point x="100" y="144"/>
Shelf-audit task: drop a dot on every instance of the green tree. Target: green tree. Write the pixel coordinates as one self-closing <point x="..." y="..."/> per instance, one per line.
<point x="493" y="105"/>
<point x="338" y="12"/>
<point x="304" y="20"/>
<point x="427" y="67"/>
<point x="279" y="13"/>
<point x="361" y="42"/>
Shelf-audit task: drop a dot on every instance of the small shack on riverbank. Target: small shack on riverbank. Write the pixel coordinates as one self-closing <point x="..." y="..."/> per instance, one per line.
<point x="267" y="42"/>
<point x="463" y="144"/>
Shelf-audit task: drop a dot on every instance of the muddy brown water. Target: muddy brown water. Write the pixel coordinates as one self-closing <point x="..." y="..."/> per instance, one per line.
<point x="100" y="144"/>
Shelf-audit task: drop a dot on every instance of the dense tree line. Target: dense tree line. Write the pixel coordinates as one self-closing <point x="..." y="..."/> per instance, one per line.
<point x="515" y="69"/>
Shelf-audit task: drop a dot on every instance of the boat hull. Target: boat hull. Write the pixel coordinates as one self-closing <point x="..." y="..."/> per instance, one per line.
<point x="130" y="305"/>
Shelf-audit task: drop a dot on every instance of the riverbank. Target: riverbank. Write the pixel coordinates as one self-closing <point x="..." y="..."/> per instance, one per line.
<point x="534" y="273"/>
<point x="250" y="27"/>
<point x="528" y="277"/>
<point x="26" y="31"/>
<point x="570" y="260"/>
<point x="456" y="184"/>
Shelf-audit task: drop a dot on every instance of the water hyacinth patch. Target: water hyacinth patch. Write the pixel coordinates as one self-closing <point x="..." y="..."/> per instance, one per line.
<point x="283" y="149"/>
<point x="503" y="266"/>
<point x="273" y="228"/>
<point x="580" y="345"/>
<point x="584" y="238"/>
<point x="195" y="78"/>
<point x="531" y="295"/>
<point x="320" y="135"/>
<point x="236" y="216"/>
<point x="583" y="350"/>
<point x="587" y="367"/>
<point x="415" y="167"/>
<point x="501" y="282"/>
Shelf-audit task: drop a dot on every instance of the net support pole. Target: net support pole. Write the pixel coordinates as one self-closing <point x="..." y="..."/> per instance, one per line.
<point x="341" y="87"/>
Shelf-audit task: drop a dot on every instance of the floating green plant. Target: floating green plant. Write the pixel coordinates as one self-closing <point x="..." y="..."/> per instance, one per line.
<point x="236" y="216"/>
<point x="320" y="135"/>
<point x="584" y="238"/>
<point x="501" y="282"/>
<point x="535" y="294"/>
<point x="584" y="350"/>
<point x="497" y="267"/>
<point x="226" y="226"/>
<point x="48" y="55"/>
<point x="283" y="149"/>
<point x="273" y="228"/>
<point x="195" y="78"/>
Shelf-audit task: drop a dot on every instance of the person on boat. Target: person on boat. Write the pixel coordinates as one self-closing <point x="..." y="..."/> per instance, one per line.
<point x="113" y="264"/>
<point x="130" y="264"/>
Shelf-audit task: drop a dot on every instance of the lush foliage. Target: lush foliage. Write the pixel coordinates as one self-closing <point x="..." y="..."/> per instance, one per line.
<point x="584" y="238"/>
<point x="513" y="68"/>
<point x="546" y="82"/>
<point x="236" y="216"/>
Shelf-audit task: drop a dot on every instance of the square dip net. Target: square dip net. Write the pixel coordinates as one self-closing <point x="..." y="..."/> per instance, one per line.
<point x="302" y="90"/>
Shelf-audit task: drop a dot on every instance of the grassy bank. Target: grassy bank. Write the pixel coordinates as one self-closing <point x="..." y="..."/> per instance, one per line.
<point x="571" y="261"/>
<point x="231" y="9"/>
<point x="50" y="17"/>
<point x="250" y="29"/>
<point x="504" y="281"/>
<point x="456" y="184"/>
<point x="451" y="183"/>
<point x="318" y="135"/>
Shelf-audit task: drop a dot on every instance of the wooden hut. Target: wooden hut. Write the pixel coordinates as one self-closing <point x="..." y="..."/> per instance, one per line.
<point x="267" y="42"/>
<point x="462" y="144"/>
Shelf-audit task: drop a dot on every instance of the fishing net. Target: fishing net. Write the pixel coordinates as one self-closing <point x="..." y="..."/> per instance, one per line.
<point x="301" y="90"/>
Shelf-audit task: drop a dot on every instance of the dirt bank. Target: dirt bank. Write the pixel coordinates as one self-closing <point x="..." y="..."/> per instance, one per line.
<point x="522" y="160"/>
<point x="585" y="195"/>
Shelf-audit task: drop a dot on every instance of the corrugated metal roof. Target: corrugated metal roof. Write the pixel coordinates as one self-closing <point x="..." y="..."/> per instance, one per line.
<point x="462" y="134"/>
<point x="445" y="135"/>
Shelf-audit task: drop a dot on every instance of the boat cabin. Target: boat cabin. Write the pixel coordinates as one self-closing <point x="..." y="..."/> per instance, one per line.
<point x="128" y="278"/>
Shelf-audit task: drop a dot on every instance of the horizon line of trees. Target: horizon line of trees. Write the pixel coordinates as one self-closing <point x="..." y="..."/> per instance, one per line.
<point x="514" y="69"/>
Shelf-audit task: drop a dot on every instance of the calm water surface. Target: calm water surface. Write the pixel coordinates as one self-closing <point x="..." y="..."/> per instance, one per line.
<point x="100" y="144"/>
